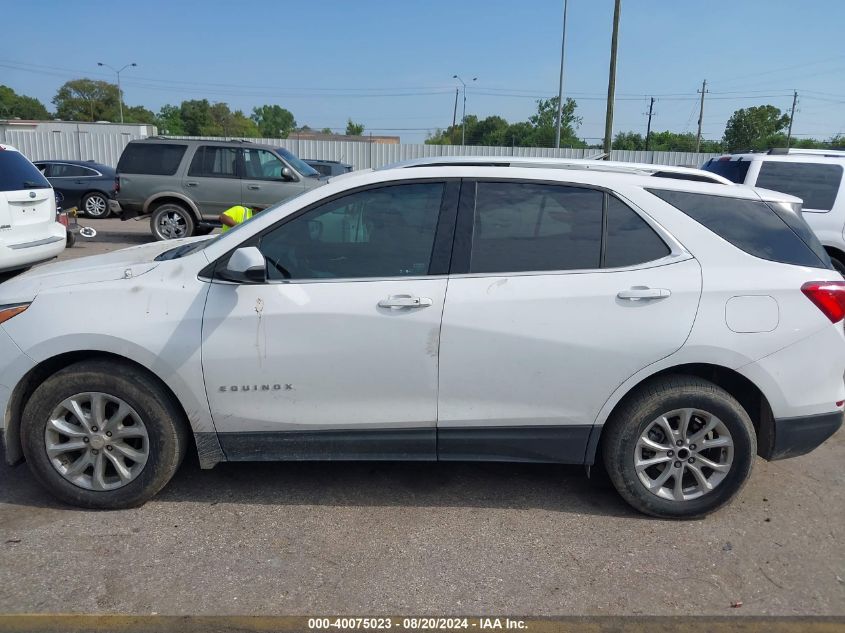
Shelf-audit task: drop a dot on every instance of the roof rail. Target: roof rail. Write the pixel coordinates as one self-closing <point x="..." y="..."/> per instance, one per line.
<point x="643" y="169"/>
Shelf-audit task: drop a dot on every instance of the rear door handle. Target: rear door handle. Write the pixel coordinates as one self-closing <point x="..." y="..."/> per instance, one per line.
<point x="190" y="184"/>
<point x="405" y="301"/>
<point x="639" y="293"/>
<point x="253" y="187"/>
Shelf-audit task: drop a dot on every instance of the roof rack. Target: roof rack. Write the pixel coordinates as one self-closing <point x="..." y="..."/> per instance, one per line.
<point x="832" y="153"/>
<point x="642" y="169"/>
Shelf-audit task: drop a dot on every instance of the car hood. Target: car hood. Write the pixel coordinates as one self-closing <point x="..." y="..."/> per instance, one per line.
<point x="122" y="264"/>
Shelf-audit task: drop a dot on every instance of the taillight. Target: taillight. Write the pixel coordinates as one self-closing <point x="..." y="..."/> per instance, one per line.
<point x="829" y="297"/>
<point x="62" y="219"/>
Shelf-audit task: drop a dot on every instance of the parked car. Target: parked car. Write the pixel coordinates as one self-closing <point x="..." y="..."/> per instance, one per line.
<point x="87" y="185"/>
<point x="668" y="328"/>
<point x="184" y="185"/>
<point x="29" y="230"/>
<point x="329" y="167"/>
<point x="815" y="176"/>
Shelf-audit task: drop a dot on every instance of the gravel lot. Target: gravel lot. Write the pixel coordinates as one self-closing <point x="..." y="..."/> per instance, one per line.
<point x="383" y="538"/>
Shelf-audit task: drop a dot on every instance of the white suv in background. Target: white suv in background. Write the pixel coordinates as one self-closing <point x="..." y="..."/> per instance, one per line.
<point x="671" y="329"/>
<point x="814" y="175"/>
<point x="29" y="232"/>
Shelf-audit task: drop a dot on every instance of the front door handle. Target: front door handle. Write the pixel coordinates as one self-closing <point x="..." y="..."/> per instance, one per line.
<point x="253" y="187"/>
<point x="190" y="184"/>
<point x="639" y="293"/>
<point x="405" y="301"/>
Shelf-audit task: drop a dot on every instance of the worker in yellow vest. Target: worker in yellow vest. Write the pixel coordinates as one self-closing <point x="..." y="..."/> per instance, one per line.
<point x="238" y="214"/>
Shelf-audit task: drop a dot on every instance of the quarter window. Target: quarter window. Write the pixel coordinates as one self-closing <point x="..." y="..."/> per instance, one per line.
<point x="522" y="227"/>
<point x="215" y="162"/>
<point x="815" y="183"/>
<point x="383" y="232"/>
<point x="64" y="170"/>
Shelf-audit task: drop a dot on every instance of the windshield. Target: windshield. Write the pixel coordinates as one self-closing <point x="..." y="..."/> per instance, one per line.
<point x="17" y="173"/>
<point x="299" y="165"/>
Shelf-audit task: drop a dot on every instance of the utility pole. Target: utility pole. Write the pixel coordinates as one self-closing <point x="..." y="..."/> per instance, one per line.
<point x="464" y="115"/>
<point x="648" y="129"/>
<point x="611" y="82"/>
<point x="454" y="115"/>
<point x="119" y="92"/>
<point x="700" y="116"/>
<point x="560" y="85"/>
<point x="791" y="117"/>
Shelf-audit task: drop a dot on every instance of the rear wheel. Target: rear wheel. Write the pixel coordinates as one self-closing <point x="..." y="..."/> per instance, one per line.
<point x="679" y="448"/>
<point x="171" y="221"/>
<point x="95" y="205"/>
<point x="100" y="434"/>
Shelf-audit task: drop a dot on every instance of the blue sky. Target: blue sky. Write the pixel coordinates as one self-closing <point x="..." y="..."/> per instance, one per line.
<point x="389" y="63"/>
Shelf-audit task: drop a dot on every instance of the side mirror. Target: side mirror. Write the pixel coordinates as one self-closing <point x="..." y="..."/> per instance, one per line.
<point x="246" y="265"/>
<point x="287" y="174"/>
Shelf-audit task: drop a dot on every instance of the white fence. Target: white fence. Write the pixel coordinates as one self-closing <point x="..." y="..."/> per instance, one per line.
<point x="106" y="148"/>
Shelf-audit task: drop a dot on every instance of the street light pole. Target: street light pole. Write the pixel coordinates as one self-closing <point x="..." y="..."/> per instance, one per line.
<point x="464" y="115"/>
<point x="119" y="92"/>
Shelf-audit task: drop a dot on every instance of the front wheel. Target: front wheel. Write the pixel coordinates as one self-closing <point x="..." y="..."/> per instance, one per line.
<point x="679" y="448"/>
<point x="100" y="434"/>
<point x="171" y="221"/>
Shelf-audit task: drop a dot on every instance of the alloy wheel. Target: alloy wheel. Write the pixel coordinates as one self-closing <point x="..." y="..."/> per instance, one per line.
<point x="96" y="206"/>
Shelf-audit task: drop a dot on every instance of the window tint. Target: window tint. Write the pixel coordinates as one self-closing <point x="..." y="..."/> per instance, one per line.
<point x="155" y="159"/>
<point x="524" y="227"/>
<point x="384" y="232"/>
<point x="733" y="170"/>
<point x="64" y="170"/>
<point x="750" y="225"/>
<point x="630" y="240"/>
<point x="324" y="170"/>
<point x="215" y="162"/>
<point x="17" y="173"/>
<point x="815" y="183"/>
<point x="259" y="164"/>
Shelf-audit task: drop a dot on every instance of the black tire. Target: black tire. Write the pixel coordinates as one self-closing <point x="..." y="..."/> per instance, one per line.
<point x="203" y="230"/>
<point x="96" y="201"/>
<point x="655" y="399"/>
<point x="71" y="239"/>
<point x="163" y="420"/>
<point x="183" y="221"/>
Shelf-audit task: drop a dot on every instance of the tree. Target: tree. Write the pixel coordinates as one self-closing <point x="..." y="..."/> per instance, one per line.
<point x="753" y="128"/>
<point x="224" y="122"/>
<point x="196" y="116"/>
<point x="273" y="121"/>
<point x="13" y="105"/>
<point x="138" y="114"/>
<point x="354" y="129"/>
<point x="327" y="131"/>
<point x="545" y="122"/>
<point x="87" y="100"/>
<point x="629" y="141"/>
<point x="169" y="120"/>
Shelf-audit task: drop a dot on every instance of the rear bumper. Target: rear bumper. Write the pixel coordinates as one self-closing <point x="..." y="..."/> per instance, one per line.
<point x="791" y="437"/>
<point x="26" y="254"/>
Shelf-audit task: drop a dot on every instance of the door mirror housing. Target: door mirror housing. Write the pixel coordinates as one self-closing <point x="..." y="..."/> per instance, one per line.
<point x="246" y="265"/>
<point x="287" y="174"/>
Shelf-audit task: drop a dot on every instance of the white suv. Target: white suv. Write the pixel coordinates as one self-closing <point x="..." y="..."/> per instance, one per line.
<point x="668" y="328"/>
<point x="815" y="176"/>
<point x="29" y="232"/>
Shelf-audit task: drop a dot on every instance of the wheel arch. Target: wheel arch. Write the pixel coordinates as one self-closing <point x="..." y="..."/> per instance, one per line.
<point x="165" y="197"/>
<point x="835" y="253"/>
<point x="205" y="444"/>
<point x="748" y="394"/>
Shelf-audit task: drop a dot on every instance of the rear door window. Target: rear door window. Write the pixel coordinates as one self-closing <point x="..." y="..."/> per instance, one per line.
<point x="815" y="183"/>
<point x="214" y="162"/>
<point x="520" y="227"/>
<point x="750" y="225"/>
<point x="630" y="240"/>
<point x="154" y="159"/>
<point x="733" y="170"/>
<point x="17" y="173"/>
<point x="65" y="170"/>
